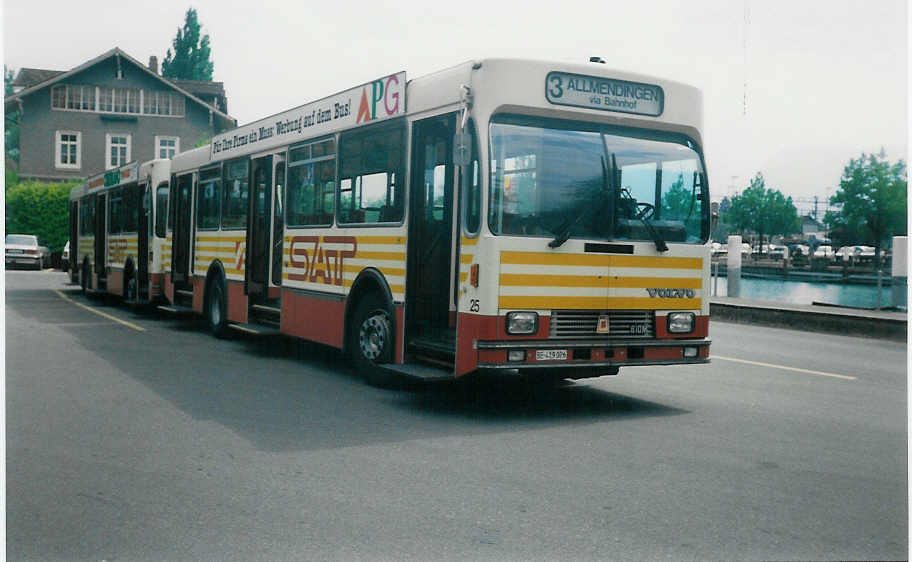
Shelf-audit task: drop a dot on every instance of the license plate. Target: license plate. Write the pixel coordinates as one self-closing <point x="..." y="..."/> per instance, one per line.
<point x="550" y="354"/>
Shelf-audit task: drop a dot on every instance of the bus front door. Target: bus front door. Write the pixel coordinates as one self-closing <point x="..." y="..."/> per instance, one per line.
<point x="259" y="231"/>
<point x="143" y="226"/>
<point x="183" y="213"/>
<point x="429" y="326"/>
<point x="264" y="241"/>
<point x="101" y="241"/>
<point x="72" y="259"/>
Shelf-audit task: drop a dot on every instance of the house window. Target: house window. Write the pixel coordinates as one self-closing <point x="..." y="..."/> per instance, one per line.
<point x="116" y="100"/>
<point x="117" y="148"/>
<point x="166" y="147"/>
<point x="69" y="96"/>
<point x="67" y="153"/>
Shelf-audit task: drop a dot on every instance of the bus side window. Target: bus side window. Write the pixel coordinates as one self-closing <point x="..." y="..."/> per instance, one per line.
<point x="115" y="212"/>
<point x="171" y="197"/>
<point x="371" y="189"/>
<point x="161" y="209"/>
<point x="310" y="193"/>
<point x="235" y="201"/>
<point x="471" y="184"/>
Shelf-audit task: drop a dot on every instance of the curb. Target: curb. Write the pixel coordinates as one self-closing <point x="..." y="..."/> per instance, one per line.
<point x="892" y="326"/>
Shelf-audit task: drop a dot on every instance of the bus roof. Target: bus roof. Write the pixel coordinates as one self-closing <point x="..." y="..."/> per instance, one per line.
<point x="157" y="170"/>
<point x="190" y="160"/>
<point x="497" y="84"/>
<point x="113" y="178"/>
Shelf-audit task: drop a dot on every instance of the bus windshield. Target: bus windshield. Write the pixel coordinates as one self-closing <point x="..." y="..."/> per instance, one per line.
<point x="561" y="180"/>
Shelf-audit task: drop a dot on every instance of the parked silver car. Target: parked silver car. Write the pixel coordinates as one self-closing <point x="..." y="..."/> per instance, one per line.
<point x="65" y="257"/>
<point x="23" y="249"/>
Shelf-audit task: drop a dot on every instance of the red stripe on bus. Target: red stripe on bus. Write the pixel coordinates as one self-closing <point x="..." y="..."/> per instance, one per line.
<point x="313" y="318"/>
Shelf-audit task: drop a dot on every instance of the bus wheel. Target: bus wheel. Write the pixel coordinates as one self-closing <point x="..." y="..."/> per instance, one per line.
<point x="371" y="341"/>
<point x="217" y="309"/>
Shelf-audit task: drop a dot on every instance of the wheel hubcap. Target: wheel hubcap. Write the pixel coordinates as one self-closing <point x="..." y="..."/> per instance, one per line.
<point x="373" y="336"/>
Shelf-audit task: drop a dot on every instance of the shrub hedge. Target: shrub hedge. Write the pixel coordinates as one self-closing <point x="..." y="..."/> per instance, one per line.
<point x="41" y="209"/>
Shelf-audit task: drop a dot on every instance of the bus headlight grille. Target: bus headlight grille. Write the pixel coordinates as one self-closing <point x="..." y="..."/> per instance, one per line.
<point x="622" y="324"/>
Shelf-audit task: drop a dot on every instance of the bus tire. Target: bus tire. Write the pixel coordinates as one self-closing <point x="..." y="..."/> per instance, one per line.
<point x="371" y="340"/>
<point x="217" y="308"/>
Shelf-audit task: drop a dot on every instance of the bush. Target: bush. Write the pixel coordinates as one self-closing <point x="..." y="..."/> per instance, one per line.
<point x="41" y="209"/>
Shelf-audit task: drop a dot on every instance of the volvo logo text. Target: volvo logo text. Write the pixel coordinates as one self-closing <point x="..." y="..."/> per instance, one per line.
<point x="672" y="293"/>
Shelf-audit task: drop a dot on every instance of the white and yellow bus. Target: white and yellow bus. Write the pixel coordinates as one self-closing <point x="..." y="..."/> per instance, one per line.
<point x="501" y="215"/>
<point x="117" y="230"/>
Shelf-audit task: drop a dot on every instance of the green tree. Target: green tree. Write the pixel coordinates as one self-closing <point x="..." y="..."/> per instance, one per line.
<point x="190" y="60"/>
<point x="11" y="136"/>
<point x="763" y="210"/>
<point x="681" y="204"/>
<point x="871" y="201"/>
<point x="41" y="209"/>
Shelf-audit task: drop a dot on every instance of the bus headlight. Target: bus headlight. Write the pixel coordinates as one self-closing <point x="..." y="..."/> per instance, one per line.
<point x="681" y="322"/>
<point x="522" y="323"/>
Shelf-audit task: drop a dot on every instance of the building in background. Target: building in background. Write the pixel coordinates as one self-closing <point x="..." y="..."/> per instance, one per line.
<point x="106" y="112"/>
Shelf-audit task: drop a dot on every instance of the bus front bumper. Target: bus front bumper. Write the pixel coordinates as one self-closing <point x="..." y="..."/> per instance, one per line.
<point x="587" y="356"/>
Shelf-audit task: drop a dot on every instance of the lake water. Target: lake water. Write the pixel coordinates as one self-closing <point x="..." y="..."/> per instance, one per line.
<point x="801" y="292"/>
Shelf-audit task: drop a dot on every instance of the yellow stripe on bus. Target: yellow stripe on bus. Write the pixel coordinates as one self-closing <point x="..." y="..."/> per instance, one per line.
<point x="387" y="256"/>
<point x="216" y="249"/>
<point x="395" y="289"/>
<point x="388" y="271"/>
<point x="220" y="238"/>
<point x="469" y="241"/>
<point x="529" y="280"/>
<point x="538" y="258"/>
<point x="596" y="303"/>
<point x="466" y="258"/>
<point x="398" y="240"/>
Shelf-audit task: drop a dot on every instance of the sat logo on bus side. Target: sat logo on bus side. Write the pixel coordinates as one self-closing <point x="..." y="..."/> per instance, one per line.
<point x="320" y="262"/>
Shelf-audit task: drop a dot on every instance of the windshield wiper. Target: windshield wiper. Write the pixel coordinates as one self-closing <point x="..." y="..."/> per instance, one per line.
<point x="660" y="244"/>
<point x="563" y="230"/>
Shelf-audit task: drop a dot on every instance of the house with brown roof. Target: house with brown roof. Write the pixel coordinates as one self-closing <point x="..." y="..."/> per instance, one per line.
<point x="106" y="112"/>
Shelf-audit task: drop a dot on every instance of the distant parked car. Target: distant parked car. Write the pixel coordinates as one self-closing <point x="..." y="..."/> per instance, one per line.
<point x="23" y="249"/>
<point x="65" y="257"/>
<point x="777" y="252"/>
<point x="864" y="254"/>
<point x="845" y="254"/>
<point x="824" y="252"/>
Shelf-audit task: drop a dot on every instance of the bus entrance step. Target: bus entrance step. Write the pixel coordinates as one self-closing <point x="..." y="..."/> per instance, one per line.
<point x="176" y="309"/>
<point x="254" y="329"/>
<point x="420" y="372"/>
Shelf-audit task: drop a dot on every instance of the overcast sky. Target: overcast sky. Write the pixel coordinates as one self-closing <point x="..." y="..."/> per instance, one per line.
<point x="791" y="88"/>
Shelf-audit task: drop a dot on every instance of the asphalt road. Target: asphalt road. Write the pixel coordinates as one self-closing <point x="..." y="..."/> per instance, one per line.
<point x="151" y="440"/>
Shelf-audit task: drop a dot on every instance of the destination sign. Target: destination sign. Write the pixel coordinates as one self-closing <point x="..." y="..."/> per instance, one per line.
<point x="380" y="99"/>
<point x="114" y="177"/>
<point x="592" y="92"/>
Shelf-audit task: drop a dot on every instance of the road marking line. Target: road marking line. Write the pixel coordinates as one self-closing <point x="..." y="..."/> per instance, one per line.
<point x="784" y="368"/>
<point x="100" y="313"/>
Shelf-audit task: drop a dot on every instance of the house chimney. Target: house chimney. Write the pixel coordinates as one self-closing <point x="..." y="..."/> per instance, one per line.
<point x="153" y="64"/>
